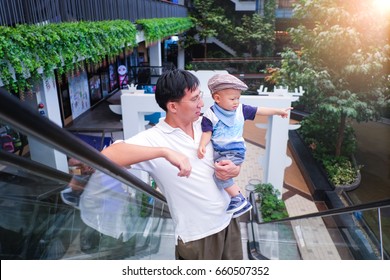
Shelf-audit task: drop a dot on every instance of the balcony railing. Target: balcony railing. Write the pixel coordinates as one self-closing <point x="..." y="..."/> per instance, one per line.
<point x="13" y="12"/>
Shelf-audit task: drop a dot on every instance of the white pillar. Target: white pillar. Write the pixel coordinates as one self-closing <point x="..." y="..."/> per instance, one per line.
<point x="180" y="57"/>
<point x="134" y="108"/>
<point x="40" y="152"/>
<point x="155" y="59"/>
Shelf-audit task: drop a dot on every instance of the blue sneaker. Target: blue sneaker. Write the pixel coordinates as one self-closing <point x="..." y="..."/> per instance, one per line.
<point x="246" y="208"/>
<point x="70" y="197"/>
<point x="236" y="203"/>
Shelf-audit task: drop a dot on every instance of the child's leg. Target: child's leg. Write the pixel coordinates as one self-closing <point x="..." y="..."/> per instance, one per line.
<point x="233" y="190"/>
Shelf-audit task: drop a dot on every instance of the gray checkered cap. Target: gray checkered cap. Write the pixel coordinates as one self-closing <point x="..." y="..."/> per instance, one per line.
<point x="224" y="81"/>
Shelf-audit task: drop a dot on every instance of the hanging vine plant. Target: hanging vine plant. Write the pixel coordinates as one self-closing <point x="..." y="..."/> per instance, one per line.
<point x="29" y="50"/>
<point x="160" y="28"/>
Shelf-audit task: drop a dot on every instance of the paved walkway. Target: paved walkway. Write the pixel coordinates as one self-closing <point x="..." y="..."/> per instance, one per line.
<point x="313" y="238"/>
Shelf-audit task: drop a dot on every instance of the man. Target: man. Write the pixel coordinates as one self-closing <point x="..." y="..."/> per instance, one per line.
<point x="168" y="152"/>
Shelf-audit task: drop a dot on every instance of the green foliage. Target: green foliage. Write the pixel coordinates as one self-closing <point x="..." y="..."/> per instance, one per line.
<point x="32" y="49"/>
<point x="209" y="20"/>
<point x="272" y="208"/>
<point x="339" y="169"/>
<point x="341" y="63"/>
<point x="254" y="31"/>
<point x="268" y="46"/>
<point x="158" y="28"/>
<point x="319" y="131"/>
<point x="244" y="34"/>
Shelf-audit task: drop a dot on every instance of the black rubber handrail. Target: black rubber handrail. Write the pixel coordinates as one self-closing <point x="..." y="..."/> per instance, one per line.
<point x="34" y="167"/>
<point x="30" y="122"/>
<point x="252" y="248"/>
<point x="348" y="209"/>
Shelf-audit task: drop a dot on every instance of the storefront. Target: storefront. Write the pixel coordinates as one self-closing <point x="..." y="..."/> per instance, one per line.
<point x="85" y="87"/>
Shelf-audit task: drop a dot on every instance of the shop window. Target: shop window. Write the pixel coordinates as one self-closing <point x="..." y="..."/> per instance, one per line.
<point x="171" y="50"/>
<point x="105" y="79"/>
<point x="95" y="88"/>
<point x="113" y="75"/>
<point x="132" y="60"/>
<point x="104" y="74"/>
<point x="95" y="82"/>
<point x="64" y="98"/>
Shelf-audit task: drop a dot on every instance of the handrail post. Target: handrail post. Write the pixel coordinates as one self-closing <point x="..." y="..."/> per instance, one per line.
<point x="380" y="233"/>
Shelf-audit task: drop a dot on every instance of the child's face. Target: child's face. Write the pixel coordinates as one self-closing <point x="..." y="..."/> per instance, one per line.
<point x="228" y="99"/>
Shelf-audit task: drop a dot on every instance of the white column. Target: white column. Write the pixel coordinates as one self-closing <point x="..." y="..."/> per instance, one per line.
<point x="155" y="58"/>
<point x="134" y="108"/>
<point x="180" y="57"/>
<point x="40" y="152"/>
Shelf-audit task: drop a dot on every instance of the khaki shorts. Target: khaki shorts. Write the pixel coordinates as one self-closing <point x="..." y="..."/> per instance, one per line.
<point x="223" y="245"/>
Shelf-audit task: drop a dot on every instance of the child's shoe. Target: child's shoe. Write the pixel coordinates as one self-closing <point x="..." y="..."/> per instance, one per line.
<point x="246" y="208"/>
<point x="236" y="203"/>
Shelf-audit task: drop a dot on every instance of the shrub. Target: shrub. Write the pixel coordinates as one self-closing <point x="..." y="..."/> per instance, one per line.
<point x="340" y="170"/>
<point x="272" y="208"/>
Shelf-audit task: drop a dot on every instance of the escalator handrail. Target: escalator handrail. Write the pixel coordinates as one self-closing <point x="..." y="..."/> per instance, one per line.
<point x="30" y="122"/>
<point x="344" y="210"/>
<point x="34" y="167"/>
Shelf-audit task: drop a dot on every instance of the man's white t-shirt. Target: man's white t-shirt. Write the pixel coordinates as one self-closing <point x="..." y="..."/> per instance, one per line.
<point x="197" y="205"/>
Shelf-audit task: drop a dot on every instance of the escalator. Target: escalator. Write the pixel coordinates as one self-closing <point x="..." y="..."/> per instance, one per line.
<point x="336" y="234"/>
<point x="120" y="216"/>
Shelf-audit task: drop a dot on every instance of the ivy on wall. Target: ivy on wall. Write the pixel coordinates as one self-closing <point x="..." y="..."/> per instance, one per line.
<point x="34" y="49"/>
<point x="159" y="28"/>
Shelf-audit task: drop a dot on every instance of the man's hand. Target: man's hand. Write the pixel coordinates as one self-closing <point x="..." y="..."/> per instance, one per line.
<point x="226" y="169"/>
<point x="180" y="161"/>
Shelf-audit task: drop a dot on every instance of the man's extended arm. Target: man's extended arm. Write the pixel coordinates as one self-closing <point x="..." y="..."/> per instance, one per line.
<point x="127" y="154"/>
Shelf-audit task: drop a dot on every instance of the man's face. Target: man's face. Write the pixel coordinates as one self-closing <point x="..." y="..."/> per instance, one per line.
<point x="190" y="106"/>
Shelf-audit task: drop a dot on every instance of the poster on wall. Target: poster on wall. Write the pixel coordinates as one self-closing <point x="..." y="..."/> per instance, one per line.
<point x="79" y="94"/>
<point x="94" y="87"/>
<point x="113" y="76"/>
<point x="123" y="77"/>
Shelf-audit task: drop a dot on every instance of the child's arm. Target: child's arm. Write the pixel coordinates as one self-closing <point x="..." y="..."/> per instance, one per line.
<point x="263" y="111"/>
<point x="204" y="140"/>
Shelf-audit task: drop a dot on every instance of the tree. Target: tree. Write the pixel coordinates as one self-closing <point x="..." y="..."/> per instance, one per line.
<point x="254" y="31"/>
<point x="208" y="19"/>
<point x="245" y="33"/>
<point x="342" y="62"/>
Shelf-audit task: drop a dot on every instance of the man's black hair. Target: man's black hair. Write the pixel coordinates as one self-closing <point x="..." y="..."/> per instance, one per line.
<point x="171" y="86"/>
